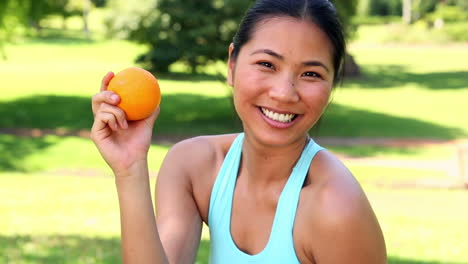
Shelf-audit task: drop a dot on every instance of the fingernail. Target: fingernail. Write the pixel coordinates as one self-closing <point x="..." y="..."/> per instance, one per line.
<point x="125" y="124"/>
<point x="114" y="98"/>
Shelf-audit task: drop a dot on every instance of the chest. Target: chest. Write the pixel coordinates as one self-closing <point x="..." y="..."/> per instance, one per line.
<point x="255" y="222"/>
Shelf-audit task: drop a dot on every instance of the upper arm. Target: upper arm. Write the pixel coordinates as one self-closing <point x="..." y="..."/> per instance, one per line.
<point x="344" y="226"/>
<point x="177" y="215"/>
<point x="348" y="230"/>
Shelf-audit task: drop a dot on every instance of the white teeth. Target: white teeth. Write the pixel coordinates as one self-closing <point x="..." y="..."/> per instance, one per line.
<point x="283" y="118"/>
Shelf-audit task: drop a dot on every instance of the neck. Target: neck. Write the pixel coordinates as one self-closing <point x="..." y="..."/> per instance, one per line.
<point x="264" y="165"/>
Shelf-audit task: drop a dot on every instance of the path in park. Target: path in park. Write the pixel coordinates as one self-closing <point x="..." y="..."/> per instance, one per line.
<point x="455" y="166"/>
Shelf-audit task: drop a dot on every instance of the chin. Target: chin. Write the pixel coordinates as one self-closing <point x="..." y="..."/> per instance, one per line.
<point x="272" y="139"/>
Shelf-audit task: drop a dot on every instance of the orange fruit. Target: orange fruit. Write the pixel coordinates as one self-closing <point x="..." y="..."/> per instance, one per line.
<point x="138" y="90"/>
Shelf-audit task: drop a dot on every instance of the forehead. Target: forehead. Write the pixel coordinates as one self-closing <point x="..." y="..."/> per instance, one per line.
<point x="292" y="38"/>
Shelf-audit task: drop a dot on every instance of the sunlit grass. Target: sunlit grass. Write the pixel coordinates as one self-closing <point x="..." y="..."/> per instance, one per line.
<point x="59" y="217"/>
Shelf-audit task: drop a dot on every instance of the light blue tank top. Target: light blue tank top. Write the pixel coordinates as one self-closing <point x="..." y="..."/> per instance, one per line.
<point x="280" y="245"/>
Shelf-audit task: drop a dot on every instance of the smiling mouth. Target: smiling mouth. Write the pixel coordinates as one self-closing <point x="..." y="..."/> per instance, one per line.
<point x="278" y="117"/>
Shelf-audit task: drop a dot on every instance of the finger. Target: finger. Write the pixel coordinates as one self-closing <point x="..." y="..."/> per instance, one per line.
<point x="106" y="80"/>
<point x="109" y="120"/>
<point x="107" y="97"/>
<point x="101" y="123"/>
<point x="118" y="113"/>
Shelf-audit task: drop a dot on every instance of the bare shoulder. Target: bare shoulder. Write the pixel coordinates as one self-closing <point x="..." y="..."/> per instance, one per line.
<point x="339" y="216"/>
<point x="200" y="152"/>
<point x="191" y="166"/>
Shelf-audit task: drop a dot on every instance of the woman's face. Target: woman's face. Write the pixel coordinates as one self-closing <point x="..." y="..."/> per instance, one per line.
<point x="282" y="80"/>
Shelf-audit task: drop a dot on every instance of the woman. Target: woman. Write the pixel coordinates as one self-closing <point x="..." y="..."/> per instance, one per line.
<point x="270" y="194"/>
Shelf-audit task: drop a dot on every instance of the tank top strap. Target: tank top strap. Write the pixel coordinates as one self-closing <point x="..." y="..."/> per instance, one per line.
<point x="289" y="198"/>
<point x="223" y="188"/>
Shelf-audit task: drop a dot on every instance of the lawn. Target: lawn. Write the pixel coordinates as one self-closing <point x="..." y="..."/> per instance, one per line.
<point x="53" y="218"/>
<point x="58" y="198"/>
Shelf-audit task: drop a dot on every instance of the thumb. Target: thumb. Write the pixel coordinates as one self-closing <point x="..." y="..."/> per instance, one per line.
<point x="152" y="118"/>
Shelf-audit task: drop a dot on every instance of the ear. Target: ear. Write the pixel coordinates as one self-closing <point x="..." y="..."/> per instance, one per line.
<point x="231" y="66"/>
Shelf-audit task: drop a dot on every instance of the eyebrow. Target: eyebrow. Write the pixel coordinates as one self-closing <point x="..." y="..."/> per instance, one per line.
<point x="280" y="57"/>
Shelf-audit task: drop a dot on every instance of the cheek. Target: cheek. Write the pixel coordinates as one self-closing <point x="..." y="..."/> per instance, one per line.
<point x="316" y="97"/>
<point x="246" y="84"/>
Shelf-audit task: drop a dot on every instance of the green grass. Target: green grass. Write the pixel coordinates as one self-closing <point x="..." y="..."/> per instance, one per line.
<point x="55" y="154"/>
<point x="430" y="152"/>
<point x="74" y="219"/>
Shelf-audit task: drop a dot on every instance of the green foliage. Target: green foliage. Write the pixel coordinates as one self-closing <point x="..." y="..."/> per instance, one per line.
<point x="29" y="13"/>
<point x="346" y="10"/>
<point x="99" y="3"/>
<point x="457" y="31"/>
<point x="420" y="8"/>
<point x="125" y="16"/>
<point x="379" y="7"/>
<point x="193" y="32"/>
<point x="11" y="15"/>
<point x="449" y="14"/>
<point x="463" y="4"/>
<point x="426" y="6"/>
<point x="374" y="20"/>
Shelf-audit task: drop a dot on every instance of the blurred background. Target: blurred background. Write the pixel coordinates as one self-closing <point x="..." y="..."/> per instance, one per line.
<point x="399" y="120"/>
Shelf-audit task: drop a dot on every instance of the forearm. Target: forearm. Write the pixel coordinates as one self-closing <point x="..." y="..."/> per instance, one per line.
<point x="140" y="238"/>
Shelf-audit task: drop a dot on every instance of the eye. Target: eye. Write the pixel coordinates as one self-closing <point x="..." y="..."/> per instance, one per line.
<point x="312" y="75"/>
<point x="266" y="64"/>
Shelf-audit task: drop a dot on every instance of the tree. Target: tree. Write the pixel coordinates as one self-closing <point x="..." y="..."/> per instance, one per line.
<point x="12" y="14"/>
<point x="379" y="7"/>
<point x="346" y="10"/>
<point x="3" y="9"/>
<point x="407" y="11"/>
<point x="79" y="7"/>
<point x="195" y="32"/>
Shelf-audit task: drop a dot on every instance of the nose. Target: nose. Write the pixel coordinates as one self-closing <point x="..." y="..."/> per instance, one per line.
<point x="284" y="90"/>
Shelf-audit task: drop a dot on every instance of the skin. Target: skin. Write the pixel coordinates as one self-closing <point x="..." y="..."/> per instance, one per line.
<point x="334" y="221"/>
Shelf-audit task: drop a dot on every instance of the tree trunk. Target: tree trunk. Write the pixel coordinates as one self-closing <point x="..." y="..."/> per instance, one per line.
<point x="2" y="51"/>
<point x="86" y="9"/>
<point x="407" y="11"/>
<point x="351" y="69"/>
<point x="64" y="22"/>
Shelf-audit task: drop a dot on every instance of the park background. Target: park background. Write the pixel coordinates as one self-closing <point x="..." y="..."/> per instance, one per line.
<point x="399" y="121"/>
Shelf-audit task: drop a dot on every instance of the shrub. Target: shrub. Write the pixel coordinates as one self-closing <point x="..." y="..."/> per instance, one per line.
<point x="375" y="20"/>
<point x="448" y="14"/>
<point x="457" y="31"/>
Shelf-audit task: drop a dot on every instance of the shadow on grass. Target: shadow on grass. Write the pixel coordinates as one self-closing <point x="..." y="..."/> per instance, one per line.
<point x="78" y="249"/>
<point x="345" y="121"/>
<point x="12" y="151"/>
<point x="393" y="76"/>
<point x="69" y="249"/>
<point x="59" y="249"/>
<point x="193" y="77"/>
<point x="184" y="114"/>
